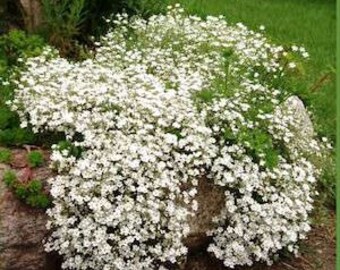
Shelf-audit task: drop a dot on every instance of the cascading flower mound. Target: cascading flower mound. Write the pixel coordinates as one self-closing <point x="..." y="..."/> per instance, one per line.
<point x="162" y="102"/>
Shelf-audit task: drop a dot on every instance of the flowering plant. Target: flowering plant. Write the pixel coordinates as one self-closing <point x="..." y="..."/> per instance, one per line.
<point x="162" y="102"/>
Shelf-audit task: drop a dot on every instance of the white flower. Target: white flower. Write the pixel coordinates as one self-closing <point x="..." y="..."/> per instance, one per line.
<point x="157" y="112"/>
<point x="295" y="48"/>
<point x="292" y="65"/>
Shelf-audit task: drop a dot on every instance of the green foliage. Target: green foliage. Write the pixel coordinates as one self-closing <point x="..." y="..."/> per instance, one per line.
<point x="17" y="44"/>
<point x="9" y="178"/>
<point x="34" y="186"/>
<point x="205" y="96"/>
<point x="38" y="200"/>
<point x="35" y="197"/>
<point x="327" y="185"/>
<point x="62" y="21"/>
<point x="6" y="117"/>
<point x="145" y="8"/>
<point x="31" y="193"/>
<point x="261" y="145"/>
<point x="228" y="135"/>
<point x="71" y="149"/>
<point x="14" y="47"/>
<point x="20" y="191"/>
<point x="35" y="159"/>
<point x="271" y="157"/>
<point x="16" y="136"/>
<point x="5" y="155"/>
<point x="70" y="23"/>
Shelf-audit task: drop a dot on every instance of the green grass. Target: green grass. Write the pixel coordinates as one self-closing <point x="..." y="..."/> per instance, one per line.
<point x="309" y="23"/>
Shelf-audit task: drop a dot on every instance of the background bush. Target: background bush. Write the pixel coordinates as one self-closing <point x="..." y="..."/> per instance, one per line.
<point x="14" y="47"/>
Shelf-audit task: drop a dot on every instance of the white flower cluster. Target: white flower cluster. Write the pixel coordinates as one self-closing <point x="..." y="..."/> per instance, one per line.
<point x="162" y="102"/>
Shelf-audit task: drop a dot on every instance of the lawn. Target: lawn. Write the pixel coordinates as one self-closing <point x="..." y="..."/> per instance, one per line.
<point x="308" y="23"/>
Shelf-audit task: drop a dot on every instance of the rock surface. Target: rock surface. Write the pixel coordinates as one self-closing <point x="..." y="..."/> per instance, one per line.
<point x="301" y="115"/>
<point x="210" y="200"/>
<point x="22" y="229"/>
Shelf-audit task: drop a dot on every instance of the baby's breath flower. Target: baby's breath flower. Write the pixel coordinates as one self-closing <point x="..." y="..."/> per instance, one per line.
<point x="161" y="103"/>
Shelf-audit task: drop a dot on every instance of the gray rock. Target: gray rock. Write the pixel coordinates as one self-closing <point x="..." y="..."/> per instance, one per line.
<point x="22" y="232"/>
<point x="301" y="115"/>
<point x="302" y="129"/>
<point x="210" y="200"/>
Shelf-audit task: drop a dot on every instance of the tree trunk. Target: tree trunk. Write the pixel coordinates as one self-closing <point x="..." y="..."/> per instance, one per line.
<point x="32" y="13"/>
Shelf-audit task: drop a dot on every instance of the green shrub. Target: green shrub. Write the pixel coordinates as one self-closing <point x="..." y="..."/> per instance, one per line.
<point x="17" y="44"/>
<point x="5" y="156"/>
<point x="34" y="186"/>
<point x="67" y="24"/>
<point x="35" y="196"/>
<point x="20" y="191"/>
<point x="35" y="159"/>
<point x="16" y="136"/>
<point x="62" y="21"/>
<point x="14" y="46"/>
<point x="31" y="193"/>
<point x="38" y="200"/>
<point x="145" y="8"/>
<point x="9" y="178"/>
